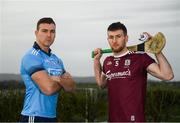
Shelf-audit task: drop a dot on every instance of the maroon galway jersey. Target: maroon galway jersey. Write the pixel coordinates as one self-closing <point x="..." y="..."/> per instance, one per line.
<point x="126" y="82"/>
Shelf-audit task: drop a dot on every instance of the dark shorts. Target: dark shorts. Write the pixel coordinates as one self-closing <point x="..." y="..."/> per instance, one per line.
<point x="32" y="119"/>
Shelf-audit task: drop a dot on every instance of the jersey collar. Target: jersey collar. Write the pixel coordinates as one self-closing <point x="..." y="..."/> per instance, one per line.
<point x="37" y="47"/>
<point x="121" y="54"/>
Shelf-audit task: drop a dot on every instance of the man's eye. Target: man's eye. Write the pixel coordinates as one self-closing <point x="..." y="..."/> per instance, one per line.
<point x="118" y="36"/>
<point x="111" y="37"/>
<point x="52" y="31"/>
<point x="44" y="30"/>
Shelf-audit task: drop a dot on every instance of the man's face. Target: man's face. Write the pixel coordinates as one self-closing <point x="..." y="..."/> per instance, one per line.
<point x="45" y="35"/>
<point x="117" y="40"/>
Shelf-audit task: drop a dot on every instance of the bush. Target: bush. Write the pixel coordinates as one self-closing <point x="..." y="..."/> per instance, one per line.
<point x="163" y="103"/>
<point x="90" y="104"/>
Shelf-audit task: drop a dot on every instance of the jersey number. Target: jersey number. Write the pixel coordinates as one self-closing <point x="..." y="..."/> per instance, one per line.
<point x="116" y="63"/>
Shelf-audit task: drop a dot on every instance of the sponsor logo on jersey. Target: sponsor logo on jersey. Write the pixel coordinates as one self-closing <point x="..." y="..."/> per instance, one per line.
<point x="51" y="61"/>
<point x="53" y="67"/>
<point x="54" y="72"/>
<point x="47" y="61"/>
<point x="122" y="74"/>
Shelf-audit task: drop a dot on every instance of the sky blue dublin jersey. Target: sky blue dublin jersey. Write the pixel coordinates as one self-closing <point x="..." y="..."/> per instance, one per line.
<point x="36" y="103"/>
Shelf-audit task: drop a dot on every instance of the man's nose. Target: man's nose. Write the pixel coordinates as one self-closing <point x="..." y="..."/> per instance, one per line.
<point x="114" y="39"/>
<point x="48" y="34"/>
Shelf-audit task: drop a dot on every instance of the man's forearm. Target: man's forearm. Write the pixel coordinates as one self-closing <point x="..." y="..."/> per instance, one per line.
<point x="68" y="84"/>
<point x="98" y="73"/>
<point x="164" y="66"/>
<point x="55" y="83"/>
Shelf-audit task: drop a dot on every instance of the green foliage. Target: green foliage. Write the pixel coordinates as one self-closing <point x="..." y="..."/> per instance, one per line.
<point x="89" y="104"/>
<point x="163" y="103"/>
<point x="10" y="105"/>
<point x="86" y="104"/>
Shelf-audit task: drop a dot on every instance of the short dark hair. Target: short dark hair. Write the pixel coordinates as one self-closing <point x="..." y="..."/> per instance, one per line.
<point x="47" y="20"/>
<point x="117" y="26"/>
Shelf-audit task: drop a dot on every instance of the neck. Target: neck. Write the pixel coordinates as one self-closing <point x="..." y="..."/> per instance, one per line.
<point x="121" y="52"/>
<point x="44" y="48"/>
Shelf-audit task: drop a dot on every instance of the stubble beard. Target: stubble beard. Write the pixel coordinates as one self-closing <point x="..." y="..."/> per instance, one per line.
<point x="119" y="49"/>
<point x="48" y="43"/>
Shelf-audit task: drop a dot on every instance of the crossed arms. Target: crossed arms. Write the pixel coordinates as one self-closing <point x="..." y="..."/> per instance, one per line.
<point x="51" y="84"/>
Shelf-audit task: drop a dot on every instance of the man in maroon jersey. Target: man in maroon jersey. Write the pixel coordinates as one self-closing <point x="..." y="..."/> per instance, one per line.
<point x="125" y="76"/>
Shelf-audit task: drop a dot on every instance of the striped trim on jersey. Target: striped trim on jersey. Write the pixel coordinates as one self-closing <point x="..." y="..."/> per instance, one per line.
<point x="35" y="52"/>
<point x="136" y="52"/>
<point x="31" y="119"/>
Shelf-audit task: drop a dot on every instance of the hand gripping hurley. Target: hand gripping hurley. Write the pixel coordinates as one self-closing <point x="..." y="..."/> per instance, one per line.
<point x="152" y="45"/>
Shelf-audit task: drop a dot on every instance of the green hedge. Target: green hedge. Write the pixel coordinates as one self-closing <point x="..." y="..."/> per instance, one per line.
<point x="163" y="104"/>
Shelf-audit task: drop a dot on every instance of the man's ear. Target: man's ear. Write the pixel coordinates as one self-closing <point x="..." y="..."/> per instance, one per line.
<point x="127" y="38"/>
<point x="35" y="32"/>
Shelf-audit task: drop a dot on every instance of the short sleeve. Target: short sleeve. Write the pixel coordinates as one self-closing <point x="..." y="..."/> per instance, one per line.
<point x="104" y="66"/>
<point x="147" y="60"/>
<point x="61" y="62"/>
<point x="32" y="64"/>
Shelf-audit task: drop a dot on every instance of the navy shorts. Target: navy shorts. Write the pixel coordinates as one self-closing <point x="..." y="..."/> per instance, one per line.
<point x="32" y="119"/>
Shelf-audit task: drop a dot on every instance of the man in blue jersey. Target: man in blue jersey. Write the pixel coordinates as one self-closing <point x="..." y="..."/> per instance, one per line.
<point x="44" y="75"/>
